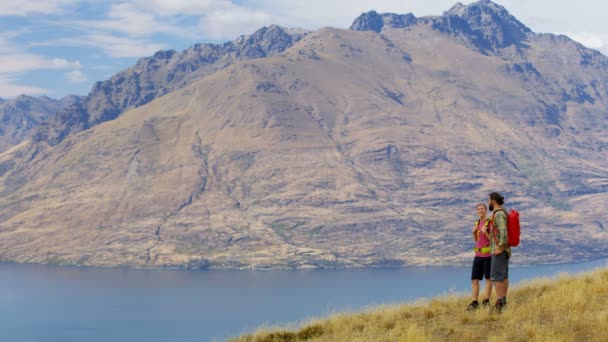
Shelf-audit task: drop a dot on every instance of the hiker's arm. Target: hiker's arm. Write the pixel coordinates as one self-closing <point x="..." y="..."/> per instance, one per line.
<point x="500" y="222"/>
<point x="486" y="232"/>
<point x="474" y="232"/>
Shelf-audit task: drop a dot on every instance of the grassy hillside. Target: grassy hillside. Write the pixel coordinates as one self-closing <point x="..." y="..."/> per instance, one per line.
<point x="571" y="308"/>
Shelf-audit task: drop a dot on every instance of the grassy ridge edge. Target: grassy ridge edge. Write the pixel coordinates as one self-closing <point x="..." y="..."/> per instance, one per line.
<point x="566" y="308"/>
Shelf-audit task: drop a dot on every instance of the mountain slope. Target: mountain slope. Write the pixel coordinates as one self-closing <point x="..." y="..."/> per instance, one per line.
<point x="349" y="148"/>
<point x="22" y="115"/>
<point x="160" y="74"/>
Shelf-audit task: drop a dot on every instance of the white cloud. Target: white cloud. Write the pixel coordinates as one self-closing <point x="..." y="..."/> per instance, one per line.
<point x="6" y="44"/>
<point x="16" y="63"/>
<point x="593" y="40"/>
<point x="11" y="65"/>
<point x="30" y="7"/>
<point x="9" y="89"/>
<point x="218" y="19"/>
<point x="112" y="45"/>
<point x="115" y="46"/>
<point x="164" y="8"/>
<point x="61" y="63"/>
<point x="128" y="19"/>
<point x="76" y="76"/>
<point x="220" y="25"/>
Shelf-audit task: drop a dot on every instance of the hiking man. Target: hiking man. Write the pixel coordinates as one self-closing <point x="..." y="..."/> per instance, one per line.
<point x="483" y="257"/>
<point x="501" y="252"/>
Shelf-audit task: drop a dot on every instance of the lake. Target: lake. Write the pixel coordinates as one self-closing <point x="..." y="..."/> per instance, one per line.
<point x="54" y="303"/>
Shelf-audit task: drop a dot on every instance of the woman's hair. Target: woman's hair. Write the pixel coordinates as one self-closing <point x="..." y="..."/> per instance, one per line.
<point x="481" y="205"/>
<point x="497" y="197"/>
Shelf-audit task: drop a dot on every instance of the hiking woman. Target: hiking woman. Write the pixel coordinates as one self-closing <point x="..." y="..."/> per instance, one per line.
<point x="483" y="257"/>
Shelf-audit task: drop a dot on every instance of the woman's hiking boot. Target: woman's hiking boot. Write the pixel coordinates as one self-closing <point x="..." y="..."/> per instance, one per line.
<point x="486" y="302"/>
<point x="473" y="306"/>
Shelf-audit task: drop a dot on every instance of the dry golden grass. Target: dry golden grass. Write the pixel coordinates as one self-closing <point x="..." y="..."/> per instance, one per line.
<point x="571" y="308"/>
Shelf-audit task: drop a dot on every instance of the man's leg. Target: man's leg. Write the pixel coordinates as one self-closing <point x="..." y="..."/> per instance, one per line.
<point x="500" y="289"/>
<point x="499" y="275"/>
<point x="506" y="279"/>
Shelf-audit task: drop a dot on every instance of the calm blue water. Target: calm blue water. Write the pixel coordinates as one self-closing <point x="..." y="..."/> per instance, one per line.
<point x="50" y="303"/>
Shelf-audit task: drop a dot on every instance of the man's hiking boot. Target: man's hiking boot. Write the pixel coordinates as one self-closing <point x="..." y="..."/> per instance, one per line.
<point x="500" y="305"/>
<point x="486" y="302"/>
<point x="473" y="306"/>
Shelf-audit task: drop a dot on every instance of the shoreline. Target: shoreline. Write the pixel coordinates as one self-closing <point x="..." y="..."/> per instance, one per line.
<point x="361" y="267"/>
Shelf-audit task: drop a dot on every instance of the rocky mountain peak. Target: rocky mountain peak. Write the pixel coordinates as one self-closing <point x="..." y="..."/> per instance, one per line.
<point x="164" y="54"/>
<point x="370" y="21"/>
<point x="478" y="8"/>
<point x="24" y="102"/>
<point x="491" y="20"/>
<point x="23" y="97"/>
<point x="266" y="41"/>
<point x="484" y="25"/>
<point x="373" y="21"/>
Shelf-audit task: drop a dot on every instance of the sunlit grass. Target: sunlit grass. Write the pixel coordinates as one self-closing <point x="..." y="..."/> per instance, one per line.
<point x="570" y="308"/>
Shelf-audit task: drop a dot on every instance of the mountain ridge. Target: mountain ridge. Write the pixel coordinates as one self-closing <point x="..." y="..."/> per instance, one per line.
<point x="101" y="108"/>
<point x="155" y="76"/>
<point x="349" y="148"/>
<point x="484" y="25"/>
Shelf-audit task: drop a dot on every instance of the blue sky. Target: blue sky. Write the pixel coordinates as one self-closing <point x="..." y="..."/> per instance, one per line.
<point x="60" y="47"/>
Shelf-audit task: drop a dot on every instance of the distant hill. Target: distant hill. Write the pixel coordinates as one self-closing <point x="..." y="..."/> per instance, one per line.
<point x="23" y="114"/>
<point x="555" y="310"/>
<point x="334" y="148"/>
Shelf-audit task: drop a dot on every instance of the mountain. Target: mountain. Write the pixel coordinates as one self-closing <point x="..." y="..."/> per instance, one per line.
<point x="160" y="74"/>
<point x="348" y="148"/>
<point x="483" y="26"/>
<point x="20" y="116"/>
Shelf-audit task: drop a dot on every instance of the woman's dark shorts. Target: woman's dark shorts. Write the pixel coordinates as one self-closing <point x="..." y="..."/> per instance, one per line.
<point x="500" y="267"/>
<point x="481" y="268"/>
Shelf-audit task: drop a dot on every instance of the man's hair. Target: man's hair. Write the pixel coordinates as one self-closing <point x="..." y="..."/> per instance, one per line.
<point x="497" y="197"/>
<point x="481" y="205"/>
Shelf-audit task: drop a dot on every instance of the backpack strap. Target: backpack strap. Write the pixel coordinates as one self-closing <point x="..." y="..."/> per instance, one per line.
<point x="493" y="230"/>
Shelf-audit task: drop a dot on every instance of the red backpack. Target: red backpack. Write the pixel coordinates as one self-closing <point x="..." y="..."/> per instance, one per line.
<point x="513" y="230"/>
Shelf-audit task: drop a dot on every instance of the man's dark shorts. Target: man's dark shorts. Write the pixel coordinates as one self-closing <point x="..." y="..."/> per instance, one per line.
<point x="500" y="267"/>
<point x="481" y="268"/>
